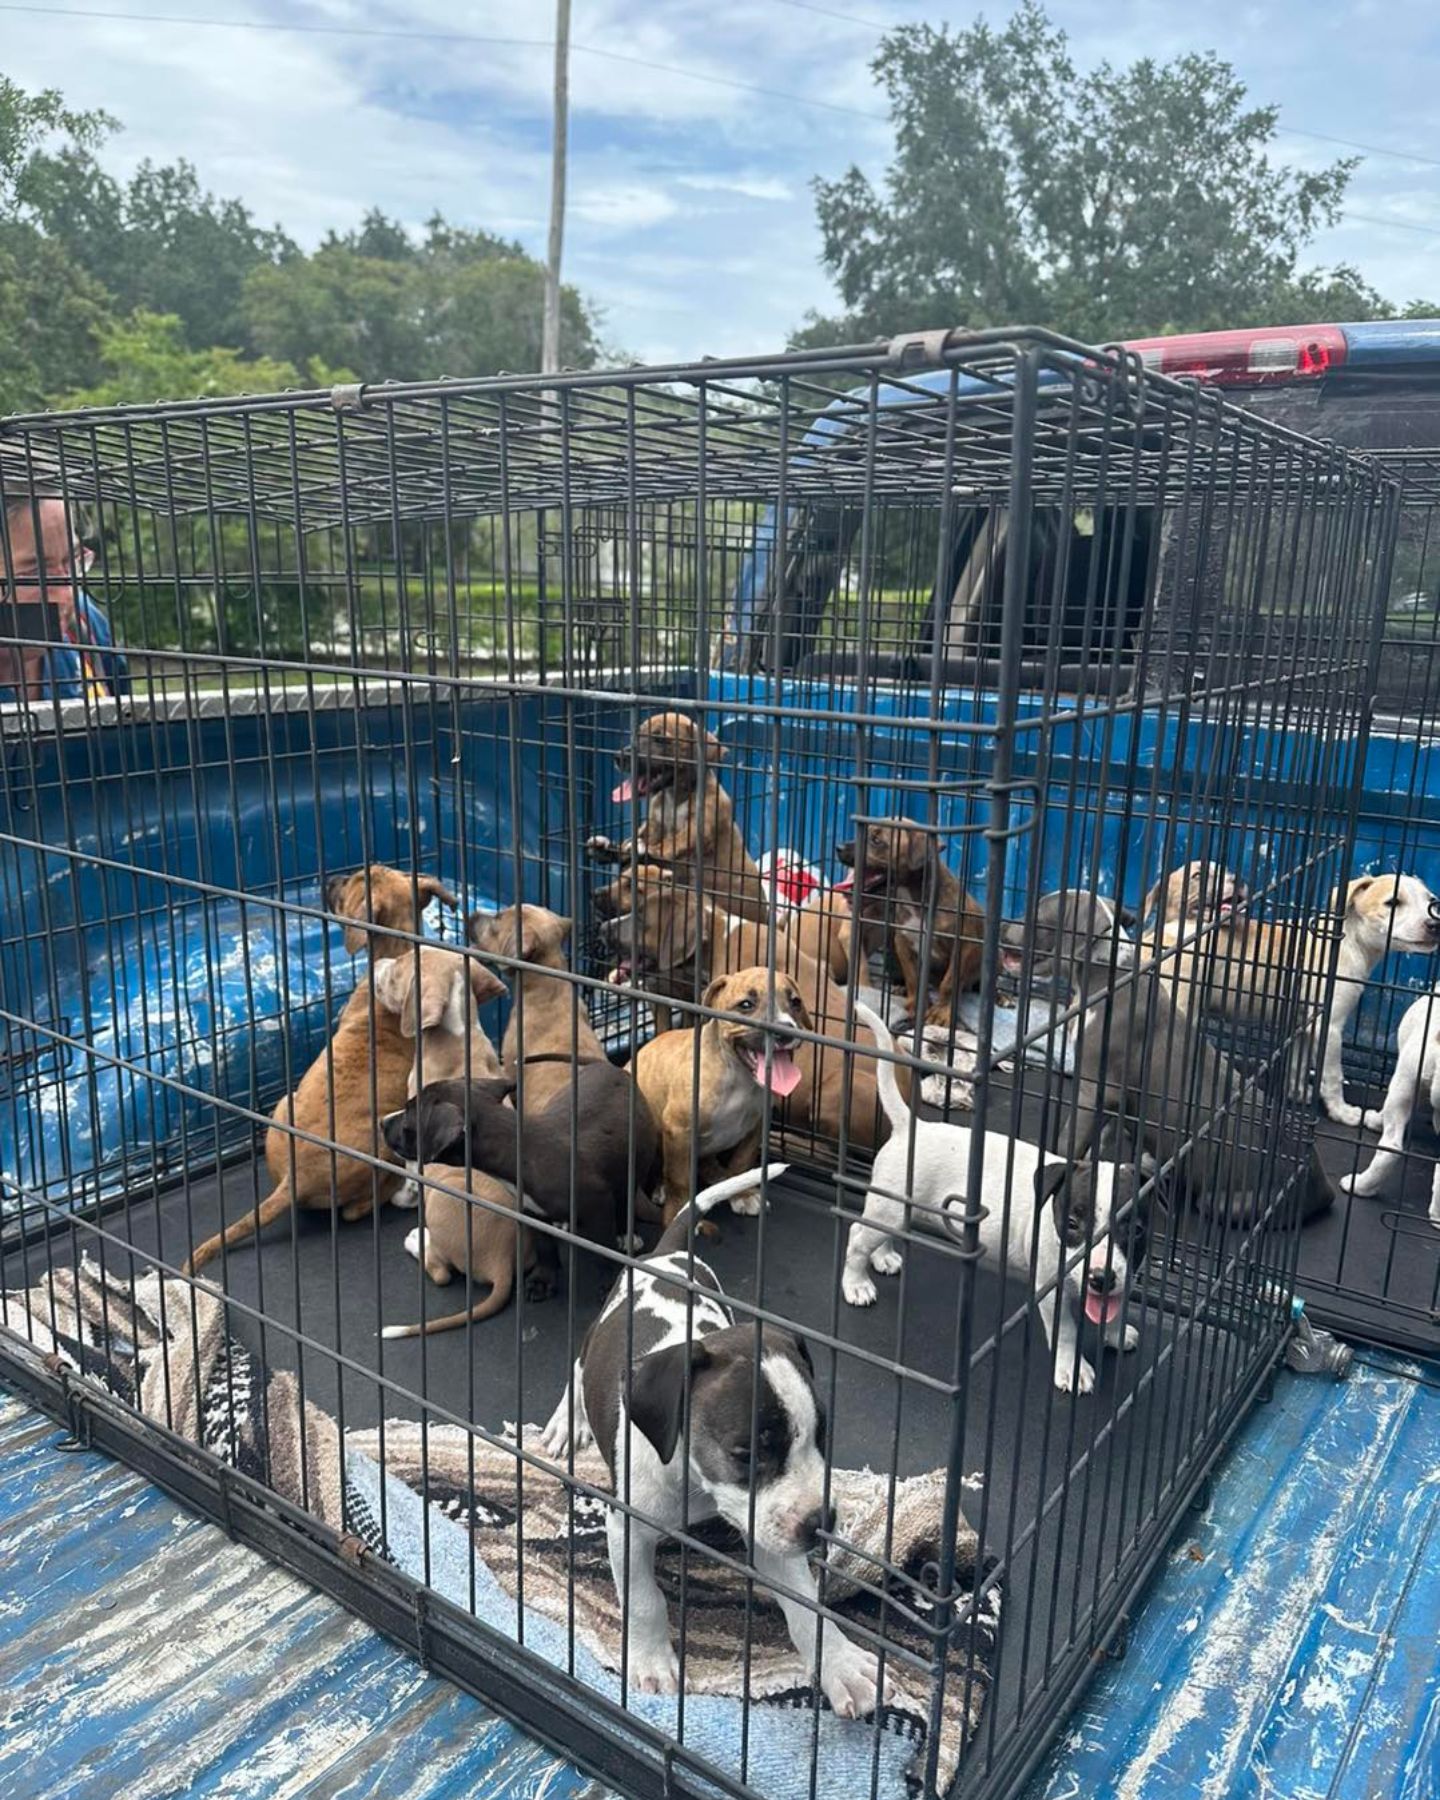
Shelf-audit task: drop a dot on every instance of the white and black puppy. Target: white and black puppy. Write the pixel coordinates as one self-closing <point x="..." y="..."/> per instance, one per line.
<point x="1082" y="1207"/>
<point x="653" y="1346"/>
<point x="1415" y="1083"/>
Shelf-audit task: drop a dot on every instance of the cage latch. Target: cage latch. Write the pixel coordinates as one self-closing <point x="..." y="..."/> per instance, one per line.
<point x="920" y="349"/>
<point x="348" y="396"/>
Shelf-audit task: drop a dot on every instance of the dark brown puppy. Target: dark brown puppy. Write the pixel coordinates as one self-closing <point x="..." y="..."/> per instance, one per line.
<point x="901" y="889"/>
<point x="689" y="826"/>
<point x="588" y="1125"/>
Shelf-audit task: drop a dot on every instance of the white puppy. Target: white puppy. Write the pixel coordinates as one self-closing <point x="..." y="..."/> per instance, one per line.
<point x="1415" y="1083"/>
<point x="1082" y="1207"/>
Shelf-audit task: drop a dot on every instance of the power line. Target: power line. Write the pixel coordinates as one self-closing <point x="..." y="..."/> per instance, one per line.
<point x="442" y="37"/>
<point x="638" y="62"/>
<point x="1398" y="224"/>
<point x="1325" y="137"/>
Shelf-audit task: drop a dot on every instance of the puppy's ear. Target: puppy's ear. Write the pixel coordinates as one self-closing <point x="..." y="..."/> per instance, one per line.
<point x="485" y="984"/>
<point x="711" y="996"/>
<point x="1051" y="1189"/>
<point x="477" y="929"/>
<point x="1152" y="899"/>
<point x="1126" y="917"/>
<point x="436" y="984"/>
<point x="431" y="888"/>
<point x="440" y="1133"/>
<point x="715" y="751"/>
<point x="393" y="981"/>
<point x="805" y="1357"/>
<point x="657" y="1392"/>
<point x="1347" y="896"/>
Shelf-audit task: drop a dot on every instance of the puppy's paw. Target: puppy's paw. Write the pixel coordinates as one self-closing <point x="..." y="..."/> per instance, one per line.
<point x="747" y="1205"/>
<point x="1372" y="1120"/>
<point x="541" y="1284"/>
<point x="1343" y="1113"/>
<point x="1075" y="1377"/>
<point x="885" y="1261"/>
<point x="1131" y="1337"/>
<point x="414" y="1244"/>
<point x="407" y="1198"/>
<point x="655" y="1670"/>
<point x="600" y="845"/>
<point x="850" y="1678"/>
<point x="859" y="1290"/>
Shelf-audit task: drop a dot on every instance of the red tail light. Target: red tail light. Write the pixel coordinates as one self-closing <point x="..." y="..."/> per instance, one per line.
<point x="1246" y="358"/>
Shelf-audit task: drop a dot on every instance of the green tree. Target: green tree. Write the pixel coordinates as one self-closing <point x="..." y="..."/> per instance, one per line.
<point x="1105" y="203"/>
<point x="455" y="303"/>
<point x="145" y="358"/>
<point x="50" y="307"/>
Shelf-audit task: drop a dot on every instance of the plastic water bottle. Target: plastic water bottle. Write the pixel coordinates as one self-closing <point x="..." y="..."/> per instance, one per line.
<point x="1312" y="1352"/>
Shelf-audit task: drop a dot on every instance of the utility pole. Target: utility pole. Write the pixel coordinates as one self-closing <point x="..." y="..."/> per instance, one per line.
<point x="550" y="332"/>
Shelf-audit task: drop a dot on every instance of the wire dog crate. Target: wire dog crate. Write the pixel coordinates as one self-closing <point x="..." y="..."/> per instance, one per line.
<point x="967" y="622"/>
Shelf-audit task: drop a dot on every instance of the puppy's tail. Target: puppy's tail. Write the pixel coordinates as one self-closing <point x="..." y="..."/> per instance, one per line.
<point x="711" y="1196"/>
<point x="267" y="1210"/>
<point x="494" y="1301"/>
<point x="896" y="1111"/>
<point x="677" y="1233"/>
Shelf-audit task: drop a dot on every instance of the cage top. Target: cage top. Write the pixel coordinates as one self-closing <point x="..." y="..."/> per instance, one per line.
<point x="1416" y="472"/>
<point x="923" y="419"/>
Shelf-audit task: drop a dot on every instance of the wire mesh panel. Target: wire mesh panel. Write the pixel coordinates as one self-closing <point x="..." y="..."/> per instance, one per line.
<point x="1374" y="1268"/>
<point x="815" y="875"/>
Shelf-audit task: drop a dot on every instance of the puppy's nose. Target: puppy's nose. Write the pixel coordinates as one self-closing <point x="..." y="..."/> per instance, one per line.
<point x="1432" y="924"/>
<point x="817" y="1524"/>
<point x="1101" y="1280"/>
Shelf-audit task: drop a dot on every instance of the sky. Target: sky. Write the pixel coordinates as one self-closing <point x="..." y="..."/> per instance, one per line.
<point x="691" y="217"/>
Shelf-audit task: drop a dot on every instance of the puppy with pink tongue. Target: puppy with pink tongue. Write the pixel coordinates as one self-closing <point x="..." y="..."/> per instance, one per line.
<point x="708" y="1087"/>
<point x="1073" y="1227"/>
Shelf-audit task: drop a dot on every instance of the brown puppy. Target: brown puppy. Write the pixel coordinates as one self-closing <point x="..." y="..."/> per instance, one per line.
<point x="370" y="1056"/>
<point x="457" y="1234"/>
<point x="823" y="928"/>
<point x="385" y="898"/>
<point x="903" y="887"/>
<point x="689" y="825"/>
<point x="741" y="1062"/>
<point x="665" y="923"/>
<point x="549" y="1009"/>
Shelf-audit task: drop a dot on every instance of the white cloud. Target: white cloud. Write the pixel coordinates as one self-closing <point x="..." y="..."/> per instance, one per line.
<point x="691" y="219"/>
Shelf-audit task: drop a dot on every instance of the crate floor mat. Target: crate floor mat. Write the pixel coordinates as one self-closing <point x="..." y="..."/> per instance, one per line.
<point x="449" y="1506"/>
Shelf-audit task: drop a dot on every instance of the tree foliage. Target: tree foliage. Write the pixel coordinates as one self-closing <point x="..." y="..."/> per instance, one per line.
<point x="454" y="302"/>
<point x="145" y="358"/>
<point x="155" y="288"/>
<point x="1104" y="203"/>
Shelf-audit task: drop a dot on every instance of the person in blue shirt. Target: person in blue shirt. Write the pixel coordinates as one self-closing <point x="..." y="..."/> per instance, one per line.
<point x="71" y="654"/>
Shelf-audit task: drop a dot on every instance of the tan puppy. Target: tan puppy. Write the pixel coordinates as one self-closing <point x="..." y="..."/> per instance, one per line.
<point x="549" y="1009"/>
<point x="741" y="1062"/>
<point x="438" y="1011"/>
<point x="665" y="924"/>
<point x="1233" y="965"/>
<point x="361" y="1075"/>
<point x="689" y="825"/>
<point x="435" y="997"/>
<point x="902" y="887"/>
<point x="456" y="1234"/>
